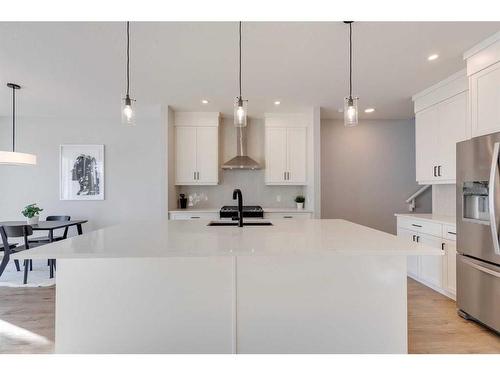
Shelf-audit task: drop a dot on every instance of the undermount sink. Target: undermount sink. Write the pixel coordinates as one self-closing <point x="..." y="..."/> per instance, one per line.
<point x="235" y="223"/>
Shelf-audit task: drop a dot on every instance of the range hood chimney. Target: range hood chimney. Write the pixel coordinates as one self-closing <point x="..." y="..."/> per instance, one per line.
<point x="241" y="160"/>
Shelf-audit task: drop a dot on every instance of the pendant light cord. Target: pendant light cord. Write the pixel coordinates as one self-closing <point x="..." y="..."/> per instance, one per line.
<point x="13" y="119"/>
<point x="128" y="57"/>
<point x="350" y="60"/>
<point x="240" y="61"/>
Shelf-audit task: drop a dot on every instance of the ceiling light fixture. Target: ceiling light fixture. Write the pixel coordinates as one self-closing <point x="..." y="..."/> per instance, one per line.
<point x="13" y="157"/>
<point x="433" y="57"/>
<point x="204" y="101"/>
<point x="128" y="113"/>
<point x="277" y="102"/>
<point x="369" y="110"/>
<point x="350" y="103"/>
<point x="240" y="106"/>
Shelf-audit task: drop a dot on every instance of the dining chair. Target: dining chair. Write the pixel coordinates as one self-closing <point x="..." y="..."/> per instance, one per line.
<point x="56" y="238"/>
<point x="4" y="244"/>
<point x="8" y="231"/>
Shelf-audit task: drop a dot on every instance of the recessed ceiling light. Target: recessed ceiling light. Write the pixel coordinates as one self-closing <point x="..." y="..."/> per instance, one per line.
<point x="204" y="101"/>
<point x="369" y="110"/>
<point x="277" y="102"/>
<point x="433" y="57"/>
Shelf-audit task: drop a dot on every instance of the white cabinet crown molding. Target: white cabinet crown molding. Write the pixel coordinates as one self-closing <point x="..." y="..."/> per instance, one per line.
<point x="445" y="89"/>
<point x="287" y="120"/>
<point x="483" y="54"/>
<point x="196" y="119"/>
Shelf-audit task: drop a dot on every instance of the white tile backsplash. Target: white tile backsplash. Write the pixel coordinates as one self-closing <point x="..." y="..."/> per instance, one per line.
<point x="444" y="199"/>
<point x="252" y="185"/>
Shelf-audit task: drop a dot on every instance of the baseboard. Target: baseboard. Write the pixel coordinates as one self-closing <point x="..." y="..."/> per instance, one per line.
<point x="444" y="292"/>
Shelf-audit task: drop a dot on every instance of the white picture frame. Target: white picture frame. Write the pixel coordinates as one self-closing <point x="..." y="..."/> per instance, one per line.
<point x="81" y="172"/>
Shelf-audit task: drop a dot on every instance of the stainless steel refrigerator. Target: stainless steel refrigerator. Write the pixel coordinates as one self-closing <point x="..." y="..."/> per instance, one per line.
<point x="478" y="225"/>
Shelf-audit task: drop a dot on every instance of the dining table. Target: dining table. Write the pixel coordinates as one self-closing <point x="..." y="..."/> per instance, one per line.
<point x="50" y="227"/>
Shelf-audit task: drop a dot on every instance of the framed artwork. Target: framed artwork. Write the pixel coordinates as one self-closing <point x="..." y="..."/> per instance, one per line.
<point x="81" y="172"/>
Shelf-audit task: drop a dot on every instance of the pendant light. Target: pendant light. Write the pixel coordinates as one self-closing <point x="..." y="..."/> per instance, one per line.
<point x="13" y="157"/>
<point x="128" y="112"/>
<point x="350" y="103"/>
<point x="240" y="106"/>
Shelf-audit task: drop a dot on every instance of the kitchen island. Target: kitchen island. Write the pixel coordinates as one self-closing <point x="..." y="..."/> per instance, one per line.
<point x="312" y="286"/>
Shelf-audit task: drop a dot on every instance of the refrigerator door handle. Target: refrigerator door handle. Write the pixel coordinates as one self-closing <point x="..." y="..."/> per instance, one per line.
<point x="480" y="268"/>
<point x="491" y="197"/>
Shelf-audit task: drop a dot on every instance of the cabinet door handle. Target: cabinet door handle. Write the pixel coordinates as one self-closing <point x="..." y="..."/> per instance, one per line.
<point x="418" y="238"/>
<point x="288" y="176"/>
<point x="435" y="171"/>
<point x="414" y="238"/>
<point x="194" y="175"/>
<point x="197" y="175"/>
<point x="442" y="246"/>
<point x="417" y="225"/>
<point x="454" y="233"/>
<point x="439" y="171"/>
<point x="284" y="176"/>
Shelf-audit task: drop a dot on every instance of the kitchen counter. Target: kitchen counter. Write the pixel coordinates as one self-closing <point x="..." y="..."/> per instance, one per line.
<point x="442" y="219"/>
<point x="299" y="286"/>
<point x="195" y="239"/>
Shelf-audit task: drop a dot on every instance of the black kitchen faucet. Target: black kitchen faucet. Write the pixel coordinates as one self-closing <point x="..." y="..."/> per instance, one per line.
<point x="237" y="194"/>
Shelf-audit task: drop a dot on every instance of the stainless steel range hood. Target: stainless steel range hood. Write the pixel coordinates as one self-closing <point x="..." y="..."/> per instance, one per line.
<point x="241" y="160"/>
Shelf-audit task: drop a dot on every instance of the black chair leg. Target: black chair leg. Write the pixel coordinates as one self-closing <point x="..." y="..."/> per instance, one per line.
<point x="26" y="265"/>
<point x="48" y="262"/>
<point x="16" y="262"/>
<point x="31" y="265"/>
<point x="51" y="261"/>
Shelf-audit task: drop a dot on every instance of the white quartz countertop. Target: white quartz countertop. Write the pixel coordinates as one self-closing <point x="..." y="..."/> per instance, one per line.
<point x="184" y="238"/>
<point x="442" y="219"/>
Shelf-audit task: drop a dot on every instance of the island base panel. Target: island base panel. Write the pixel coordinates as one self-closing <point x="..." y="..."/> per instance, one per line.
<point x="246" y="304"/>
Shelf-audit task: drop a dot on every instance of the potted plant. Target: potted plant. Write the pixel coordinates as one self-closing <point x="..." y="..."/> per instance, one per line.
<point x="31" y="212"/>
<point x="299" y="199"/>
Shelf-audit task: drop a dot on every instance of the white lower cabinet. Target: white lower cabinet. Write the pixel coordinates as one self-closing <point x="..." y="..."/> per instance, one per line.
<point x="287" y="215"/>
<point x="193" y="215"/>
<point x="450" y="247"/>
<point x="437" y="272"/>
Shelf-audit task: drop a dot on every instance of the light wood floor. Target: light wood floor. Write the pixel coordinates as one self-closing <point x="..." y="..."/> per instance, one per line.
<point x="435" y="327"/>
<point x="27" y="323"/>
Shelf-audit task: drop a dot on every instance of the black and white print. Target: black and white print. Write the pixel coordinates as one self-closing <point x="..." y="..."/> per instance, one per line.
<point x="82" y="172"/>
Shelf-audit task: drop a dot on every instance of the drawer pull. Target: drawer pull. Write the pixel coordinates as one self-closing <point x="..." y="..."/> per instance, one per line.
<point x="416" y="225"/>
<point x="287" y="217"/>
<point x="452" y="233"/>
<point x="194" y="217"/>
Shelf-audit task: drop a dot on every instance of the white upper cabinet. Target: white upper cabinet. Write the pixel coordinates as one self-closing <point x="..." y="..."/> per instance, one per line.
<point x="483" y="69"/>
<point x="196" y="148"/>
<point x="286" y="151"/>
<point x="440" y="122"/>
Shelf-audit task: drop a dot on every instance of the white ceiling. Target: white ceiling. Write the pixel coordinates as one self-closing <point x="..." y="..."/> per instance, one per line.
<point x="79" y="68"/>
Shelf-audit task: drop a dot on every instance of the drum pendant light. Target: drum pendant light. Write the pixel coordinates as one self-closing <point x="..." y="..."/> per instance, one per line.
<point x="13" y="157"/>
<point x="241" y="105"/>
<point x="128" y="112"/>
<point x="350" y="103"/>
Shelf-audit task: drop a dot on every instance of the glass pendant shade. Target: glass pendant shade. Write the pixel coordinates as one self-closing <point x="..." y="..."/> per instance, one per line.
<point x="240" y="113"/>
<point x="16" y="158"/>
<point x="351" y="111"/>
<point x="128" y="112"/>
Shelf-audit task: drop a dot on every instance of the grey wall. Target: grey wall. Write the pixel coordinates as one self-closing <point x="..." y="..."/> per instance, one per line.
<point x="252" y="183"/>
<point x="134" y="168"/>
<point x="368" y="171"/>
